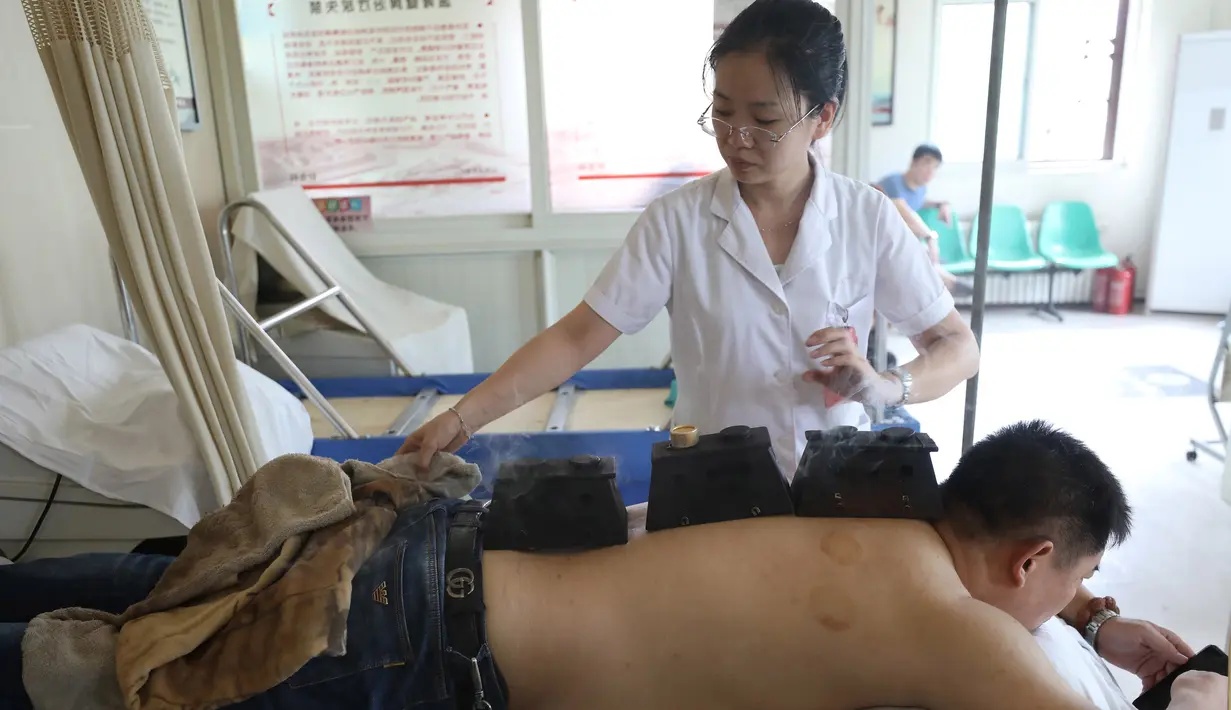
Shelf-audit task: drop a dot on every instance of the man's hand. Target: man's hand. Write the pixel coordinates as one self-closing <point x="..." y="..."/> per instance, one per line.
<point x="945" y="213"/>
<point x="1144" y="649"/>
<point x="1198" y="690"/>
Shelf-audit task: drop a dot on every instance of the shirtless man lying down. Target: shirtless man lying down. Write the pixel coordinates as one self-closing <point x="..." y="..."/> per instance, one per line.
<point x="766" y="613"/>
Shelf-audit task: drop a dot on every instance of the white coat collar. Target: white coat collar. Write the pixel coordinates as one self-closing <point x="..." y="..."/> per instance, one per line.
<point x="742" y="239"/>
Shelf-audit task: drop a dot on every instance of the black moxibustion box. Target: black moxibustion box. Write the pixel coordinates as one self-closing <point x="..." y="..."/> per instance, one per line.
<point x="556" y="505"/>
<point x="848" y="473"/>
<point x="713" y="478"/>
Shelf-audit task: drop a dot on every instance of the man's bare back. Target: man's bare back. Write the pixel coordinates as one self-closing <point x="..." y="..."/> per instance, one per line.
<point x="822" y="614"/>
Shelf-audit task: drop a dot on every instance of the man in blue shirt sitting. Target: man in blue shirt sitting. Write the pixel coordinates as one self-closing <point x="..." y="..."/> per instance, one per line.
<point x="908" y="191"/>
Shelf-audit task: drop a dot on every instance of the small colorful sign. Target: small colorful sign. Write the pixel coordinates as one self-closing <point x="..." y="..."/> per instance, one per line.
<point x="346" y="214"/>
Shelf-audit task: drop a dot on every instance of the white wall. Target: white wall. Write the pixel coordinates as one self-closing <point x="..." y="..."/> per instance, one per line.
<point x="1221" y="15"/>
<point x="1124" y="194"/>
<point x="54" y="262"/>
<point x="53" y="256"/>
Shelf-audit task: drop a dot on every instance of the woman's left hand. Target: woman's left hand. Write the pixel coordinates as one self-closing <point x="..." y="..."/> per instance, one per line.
<point x="846" y="372"/>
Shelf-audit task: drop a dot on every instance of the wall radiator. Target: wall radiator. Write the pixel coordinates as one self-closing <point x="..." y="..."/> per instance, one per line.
<point x="1029" y="289"/>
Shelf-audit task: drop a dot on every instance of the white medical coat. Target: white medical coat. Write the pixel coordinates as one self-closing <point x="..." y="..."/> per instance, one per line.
<point x="738" y="327"/>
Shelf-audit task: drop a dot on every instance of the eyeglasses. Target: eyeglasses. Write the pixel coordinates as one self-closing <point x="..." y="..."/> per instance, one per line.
<point x="750" y="135"/>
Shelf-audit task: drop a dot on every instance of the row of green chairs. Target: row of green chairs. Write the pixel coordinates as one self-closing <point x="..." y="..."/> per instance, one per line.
<point x="1068" y="239"/>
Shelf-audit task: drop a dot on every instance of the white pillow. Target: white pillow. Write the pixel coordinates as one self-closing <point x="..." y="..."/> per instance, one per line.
<point x="99" y="410"/>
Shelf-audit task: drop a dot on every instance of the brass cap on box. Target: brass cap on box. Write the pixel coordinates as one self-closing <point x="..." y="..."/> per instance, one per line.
<point x="683" y="436"/>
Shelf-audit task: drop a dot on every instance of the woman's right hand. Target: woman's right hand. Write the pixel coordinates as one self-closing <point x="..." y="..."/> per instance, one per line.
<point x="1198" y="690"/>
<point x="443" y="433"/>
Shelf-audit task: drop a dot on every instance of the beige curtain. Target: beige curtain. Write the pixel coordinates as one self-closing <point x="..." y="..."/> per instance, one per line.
<point x="103" y="62"/>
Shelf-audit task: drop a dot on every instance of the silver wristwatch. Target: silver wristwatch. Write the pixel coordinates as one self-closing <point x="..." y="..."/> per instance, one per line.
<point x="904" y="377"/>
<point x="1096" y="623"/>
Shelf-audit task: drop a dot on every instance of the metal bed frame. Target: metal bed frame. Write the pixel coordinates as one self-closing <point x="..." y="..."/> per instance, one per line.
<point x="1216" y="449"/>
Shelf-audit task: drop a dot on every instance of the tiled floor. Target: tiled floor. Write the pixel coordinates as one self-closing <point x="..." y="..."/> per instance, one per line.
<point x="1119" y="384"/>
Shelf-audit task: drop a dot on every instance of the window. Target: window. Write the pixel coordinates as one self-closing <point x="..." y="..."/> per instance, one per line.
<point x="1059" y="89"/>
<point x="416" y="105"/>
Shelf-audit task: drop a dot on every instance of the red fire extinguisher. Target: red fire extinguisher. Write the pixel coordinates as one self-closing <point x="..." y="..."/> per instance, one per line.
<point x="1120" y="288"/>
<point x="1102" y="280"/>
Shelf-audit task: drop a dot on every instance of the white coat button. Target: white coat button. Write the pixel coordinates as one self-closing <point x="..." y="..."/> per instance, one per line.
<point x="779" y="309"/>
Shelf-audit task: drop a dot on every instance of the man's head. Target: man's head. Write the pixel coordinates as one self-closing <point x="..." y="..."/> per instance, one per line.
<point x="924" y="164"/>
<point x="1028" y="513"/>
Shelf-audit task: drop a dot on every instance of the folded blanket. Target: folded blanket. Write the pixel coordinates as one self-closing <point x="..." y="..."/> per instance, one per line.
<point x="262" y="587"/>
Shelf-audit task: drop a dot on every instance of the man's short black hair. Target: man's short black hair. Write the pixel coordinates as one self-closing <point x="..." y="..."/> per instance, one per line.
<point x="927" y="151"/>
<point x="1030" y="481"/>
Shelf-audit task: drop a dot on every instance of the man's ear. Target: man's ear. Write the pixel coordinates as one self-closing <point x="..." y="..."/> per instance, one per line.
<point x="1025" y="559"/>
<point x="825" y="120"/>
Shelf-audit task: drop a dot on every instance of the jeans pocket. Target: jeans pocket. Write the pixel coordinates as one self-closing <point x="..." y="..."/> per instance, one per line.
<point x="376" y="630"/>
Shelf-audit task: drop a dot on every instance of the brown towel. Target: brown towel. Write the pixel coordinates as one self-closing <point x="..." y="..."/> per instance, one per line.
<point x="262" y="586"/>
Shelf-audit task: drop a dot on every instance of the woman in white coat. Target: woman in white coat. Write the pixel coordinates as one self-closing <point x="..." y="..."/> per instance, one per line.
<point x="770" y="268"/>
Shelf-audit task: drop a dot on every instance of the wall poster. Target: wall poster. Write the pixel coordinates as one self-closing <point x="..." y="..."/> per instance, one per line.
<point x="884" y="51"/>
<point x="169" y="25"/>
<point x="418" y="104"/>
<point x="622" y="124"/>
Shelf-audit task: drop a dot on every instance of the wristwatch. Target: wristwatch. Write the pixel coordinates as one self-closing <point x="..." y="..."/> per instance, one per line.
<point x="1096" y="623"/>
<point x="904" y="377"/>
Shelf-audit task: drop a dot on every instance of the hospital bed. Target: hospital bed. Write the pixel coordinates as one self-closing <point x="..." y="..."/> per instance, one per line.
<point x="616" y="413"/>
<point x="77" y="520"/>
<point x="94" y="455"/>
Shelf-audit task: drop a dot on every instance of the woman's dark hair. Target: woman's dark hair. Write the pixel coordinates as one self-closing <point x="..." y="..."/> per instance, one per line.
<point x="801" y="40"/>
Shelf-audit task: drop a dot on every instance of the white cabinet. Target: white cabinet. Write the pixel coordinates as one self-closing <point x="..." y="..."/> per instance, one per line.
<point x="1191" y="268"/>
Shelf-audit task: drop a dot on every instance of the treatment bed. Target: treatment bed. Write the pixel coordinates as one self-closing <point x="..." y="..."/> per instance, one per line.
<point x="616" y="413"/>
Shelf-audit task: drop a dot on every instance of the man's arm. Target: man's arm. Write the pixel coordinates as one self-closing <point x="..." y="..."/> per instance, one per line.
<point x="1076" y="613"/>
<point x="1146" y="650"/>
<point x="913" y="222"/>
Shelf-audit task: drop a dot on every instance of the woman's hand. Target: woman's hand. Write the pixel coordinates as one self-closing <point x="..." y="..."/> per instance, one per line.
<point x="443" y="433"/>
<point x="845" y="372"/>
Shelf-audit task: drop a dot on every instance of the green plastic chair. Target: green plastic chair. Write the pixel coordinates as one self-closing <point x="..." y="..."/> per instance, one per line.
<point x="953" y="256"/>
<point x="1009" y="247"/>
<point x="1069" y="238"/>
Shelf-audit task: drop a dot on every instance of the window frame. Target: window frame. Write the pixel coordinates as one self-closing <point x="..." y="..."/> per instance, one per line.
<point x="1115" y="90"/>
<point x="540" y="230"/>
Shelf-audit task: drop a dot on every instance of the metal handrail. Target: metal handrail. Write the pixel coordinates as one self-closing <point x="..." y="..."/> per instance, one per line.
<point x="332" y="289"/>
<point x="250" y="326"/>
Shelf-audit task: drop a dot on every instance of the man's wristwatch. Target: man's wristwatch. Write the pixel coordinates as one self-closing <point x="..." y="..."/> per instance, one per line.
<point x="904" y="377"/>
<point x="1096" y="623"/>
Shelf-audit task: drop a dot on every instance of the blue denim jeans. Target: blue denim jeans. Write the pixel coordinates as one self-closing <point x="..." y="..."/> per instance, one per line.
<point x="397" y="653"/>
<point x="102" y="581"/>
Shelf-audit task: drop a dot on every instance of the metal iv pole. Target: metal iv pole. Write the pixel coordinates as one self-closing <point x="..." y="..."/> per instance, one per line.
<point x="986" y="192"/>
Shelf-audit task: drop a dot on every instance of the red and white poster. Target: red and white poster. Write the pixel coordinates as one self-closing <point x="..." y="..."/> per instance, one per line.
<point x="624" y="88"/>
<point x="419" y="105"/>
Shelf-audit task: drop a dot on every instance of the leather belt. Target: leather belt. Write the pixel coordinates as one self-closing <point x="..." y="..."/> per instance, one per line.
<point x="463" y="602"/>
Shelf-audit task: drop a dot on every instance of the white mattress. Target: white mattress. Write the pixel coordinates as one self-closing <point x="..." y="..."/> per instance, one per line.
<point x="100" y="411"/>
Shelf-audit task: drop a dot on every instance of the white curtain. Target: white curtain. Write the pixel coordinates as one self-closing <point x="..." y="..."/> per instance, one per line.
<point x="104" y="66"/>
